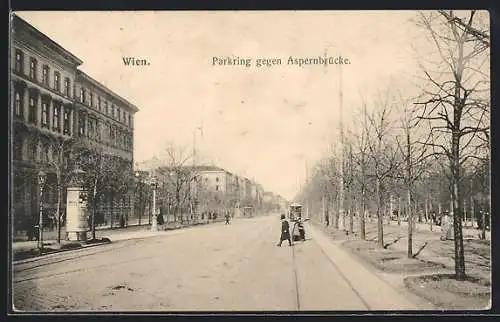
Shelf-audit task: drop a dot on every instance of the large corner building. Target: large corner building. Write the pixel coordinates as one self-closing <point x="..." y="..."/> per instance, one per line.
<point x="52" y="98"/>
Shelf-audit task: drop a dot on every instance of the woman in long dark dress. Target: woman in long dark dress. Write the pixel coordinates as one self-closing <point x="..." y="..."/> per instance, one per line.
<point x="285" y="231"/>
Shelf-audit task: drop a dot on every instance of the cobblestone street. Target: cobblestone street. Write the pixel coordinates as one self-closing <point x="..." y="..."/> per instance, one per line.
<point x="218" y="267"/>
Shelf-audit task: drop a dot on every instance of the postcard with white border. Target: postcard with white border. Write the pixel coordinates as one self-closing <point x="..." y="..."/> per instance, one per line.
<point x="250" y="161"/>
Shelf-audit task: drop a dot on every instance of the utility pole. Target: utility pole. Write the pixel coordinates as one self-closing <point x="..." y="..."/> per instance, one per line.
<point x="194" y="184"/>
<point x="307" y="187"/>
<point x="391" y="207"/>
<point x="341" y="125"/>
<point x="471" y="205"/>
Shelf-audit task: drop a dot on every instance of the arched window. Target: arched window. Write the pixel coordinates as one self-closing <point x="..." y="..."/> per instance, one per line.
<point x="55" y="117"/>
<point x="57" y="81"/>
<point x="45" y="75"/>
<point x="32" y="110"/>
<point x="33" y="64"/>
<point x="18" y="148"/>
<point x="45" y="113"/>
<point x="67" y="87"/>
<point x="32" y="150"/>
<point x="19" y="62"/>
<point x="82" y="95"/>
<point x="67" y="121"/>
<point x="18" y="104"/>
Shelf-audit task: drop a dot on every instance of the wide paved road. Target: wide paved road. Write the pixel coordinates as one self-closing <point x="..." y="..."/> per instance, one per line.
<point x="206" y="268"/>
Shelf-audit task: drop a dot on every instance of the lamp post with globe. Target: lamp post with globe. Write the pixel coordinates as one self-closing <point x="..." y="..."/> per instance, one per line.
<point x="154" y="184"/>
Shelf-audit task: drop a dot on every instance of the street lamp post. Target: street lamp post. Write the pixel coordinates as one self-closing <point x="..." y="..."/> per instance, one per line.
<point x="41" y="182"/>
<point x="154" y="224"/>
<point x="137" y="199"/>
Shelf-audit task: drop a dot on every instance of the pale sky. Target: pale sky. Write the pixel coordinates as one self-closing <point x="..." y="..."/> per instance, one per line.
<point x="264" y="123"/>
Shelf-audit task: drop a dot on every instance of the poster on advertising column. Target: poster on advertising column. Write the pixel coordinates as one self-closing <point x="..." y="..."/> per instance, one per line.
<point x="76" y="210"/>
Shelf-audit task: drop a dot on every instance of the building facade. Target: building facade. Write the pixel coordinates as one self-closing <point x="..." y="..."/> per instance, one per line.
<point x="54" y="103"/>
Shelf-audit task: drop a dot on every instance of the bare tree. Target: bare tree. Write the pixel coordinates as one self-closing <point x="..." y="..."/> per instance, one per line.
<point x="61" y="148"/>
<point x="178" y="176"/>
<point x="321" y="187"/>
<point x="382" y="151"/>
<point x="456" y="102"/>
<point x="414" y="156"/>
<point x="349" y="184"/>
<point x="106" y="176"/>
<point x="360" y="160"/>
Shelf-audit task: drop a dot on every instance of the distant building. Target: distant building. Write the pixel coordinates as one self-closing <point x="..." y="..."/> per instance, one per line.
<point x="212" y="188"/>
<point x="215" y="178"/>
<point x="267" y="197"/>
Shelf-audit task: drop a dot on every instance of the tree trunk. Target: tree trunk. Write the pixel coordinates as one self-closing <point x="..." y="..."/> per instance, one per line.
<point x="94" y="211"/>
<point x="58" y="210"/>
<point x="140" y="203"/>
<point x="457" y="213"/>
<point x="351" y="216"/>
<point x="336" y="216"/>
<point x="94" y="208"/>
<point x="380" y="224"/>
<point x="430" y="215"/>
<point x="150" y="213"/>
<point x="408" y="193"/>
<point x="362" y="215"/>
<point x="410" y="224"/>
<point x="472" y="212"/>
<point x="112" y="207"/>
<point x="465" y="213"/>
<point x="399" y="211"/>
<point x="483" y="225"/>
<point x="391" y="208"/>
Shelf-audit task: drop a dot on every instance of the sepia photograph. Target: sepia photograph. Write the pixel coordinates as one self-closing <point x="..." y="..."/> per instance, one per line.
<point x="249" y="161"/>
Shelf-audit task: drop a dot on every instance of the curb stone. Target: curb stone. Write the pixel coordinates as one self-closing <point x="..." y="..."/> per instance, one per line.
<point x="56" y="251"/>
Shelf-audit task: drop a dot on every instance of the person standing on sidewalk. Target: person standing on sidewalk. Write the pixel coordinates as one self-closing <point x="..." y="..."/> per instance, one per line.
<point x="227" y="218"/>
<point x="446" y="226"/>
<point x="285" y="231"/>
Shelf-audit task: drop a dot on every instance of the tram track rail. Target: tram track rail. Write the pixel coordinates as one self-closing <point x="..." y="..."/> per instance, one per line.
<point x="40" y="275"/>
<point x="337" y="269"/>
<point x="76" y="254"/>
<point x="47" y="262"/>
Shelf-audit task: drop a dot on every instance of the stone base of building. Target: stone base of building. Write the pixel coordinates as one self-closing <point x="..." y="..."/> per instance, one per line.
<point x="76" y="235"/>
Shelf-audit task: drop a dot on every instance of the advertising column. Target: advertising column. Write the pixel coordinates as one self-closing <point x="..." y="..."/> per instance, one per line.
<point x="76" y="214"/>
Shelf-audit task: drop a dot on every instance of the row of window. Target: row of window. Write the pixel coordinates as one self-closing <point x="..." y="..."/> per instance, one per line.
<point x="102" y="105"/>
<point x="56" y="113"/>
<point x="32" y="151"/>
<point x="90" y="126"/>
<point x="33" y="64"/>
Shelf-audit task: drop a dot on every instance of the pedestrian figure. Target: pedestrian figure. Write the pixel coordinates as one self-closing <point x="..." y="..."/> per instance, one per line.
<point x="227" y="218"/>
<point x="285" y="231"/>
<point x="446" y="227"/>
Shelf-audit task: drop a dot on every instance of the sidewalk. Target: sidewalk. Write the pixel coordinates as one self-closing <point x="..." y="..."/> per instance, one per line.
<point x="376" y="292"/>
<point x="468" y="232"/>
<point x="113" y="234"/>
